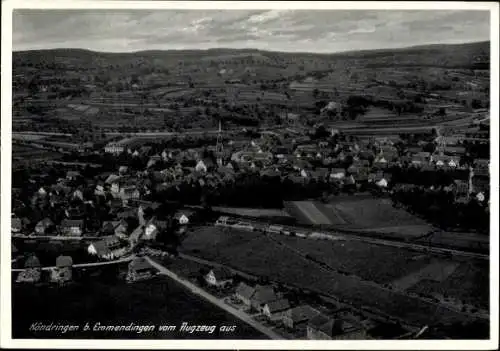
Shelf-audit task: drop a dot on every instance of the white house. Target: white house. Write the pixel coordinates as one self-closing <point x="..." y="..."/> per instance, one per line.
<point x="77" y="194"/>
<point x="99" y="190"/>
<point x="114" y="148"/>
<point x="150" y="231"/>
<point x="183" y="220"/>
<point x="219" y="277"/>
<point x="480" y="197"/>
<point x="164" y="155"/>
<point x="337" y="173"/>
<point x="382" y="183"/>
<point x="201" y="167"/>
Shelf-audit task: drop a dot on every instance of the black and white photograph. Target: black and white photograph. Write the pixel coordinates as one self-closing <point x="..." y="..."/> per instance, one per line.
<point x="223" y="175"/>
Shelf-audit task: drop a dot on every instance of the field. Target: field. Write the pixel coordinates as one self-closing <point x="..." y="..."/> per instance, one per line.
<point x="377" y="263"/>
<point x="435" y="271"/>
<point x="23" y="154"/>
<point x="257" y="254"/>
<point x="252" y="212"/>
<point x="355" y="212"/>
<point x="469" y="283"/>
<point x="274" y="81"/>
<point x="27" y="137"/>
<point x="155" y="302"/>
<point x="402" y="269"/>
<point x="316" y="213"/>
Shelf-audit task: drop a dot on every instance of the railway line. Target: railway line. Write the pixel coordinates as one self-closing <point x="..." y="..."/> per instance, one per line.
<point x="254" y="225"/>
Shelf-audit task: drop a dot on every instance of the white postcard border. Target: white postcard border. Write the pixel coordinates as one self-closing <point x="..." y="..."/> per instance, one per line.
<point x="6" y="146"/>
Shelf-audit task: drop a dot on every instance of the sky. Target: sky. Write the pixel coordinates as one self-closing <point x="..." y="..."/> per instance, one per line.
<point x="324" y="31"/>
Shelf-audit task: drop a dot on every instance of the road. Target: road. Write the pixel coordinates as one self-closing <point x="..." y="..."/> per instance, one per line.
<point x="215" y="301"/>
<point x="83" y="265"/>
<point x="370" y="314"/>
<point x="54" y="237"/>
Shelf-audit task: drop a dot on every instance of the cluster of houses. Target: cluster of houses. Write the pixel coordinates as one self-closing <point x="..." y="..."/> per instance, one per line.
<point x="60" y="274"/>
<point x="303" y="319"/>
<point x="347" y="162"/>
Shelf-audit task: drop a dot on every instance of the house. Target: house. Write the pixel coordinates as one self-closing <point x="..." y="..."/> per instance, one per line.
<point x="380" y="162"/>
<point x="118" y="228"/>
<point x="244" y="293"/>
<point x="480" y="197"/>
<point x="16" y="225"/>
<point x="382" y="183"/>
<point x="323" y="327"/>
<point x="417" y="160"/>
<point x="275" y="310"/>
<point x="299" y="316"/>
<point x="32" y="271"/>
<point x="139" y="269"/>
<point x="349" y="181"/>
<point x="152" y="228"/>
<point x="114" y="148"/>
<point x="42" y="191"/>
<point x="129" y="192"/>
<point x="75" y="212"/>
<point x="461" y="187"/>
<point x="44" y="226"/>
<point x="183" y="216"/>
<point x="108" y="248"/>
<point x="123" y="170"/>
<point x="144" y="150"/>
<point x="337" y="174"/>
<point x="73" y="175"/>
<point x="136" y="235"/>
<point x="153" y="160"/>
<point x="219" y="277"/>
<point x="481" y="184"/>
<point x="270" y="173"/>
<point x="112" y="178"/>
<point x="62" y="273"/>
<point x="201" y="167"/>
<point x="77" y="194"/>
<point x="320" y="173"/>
<point x="263" y="294"/>
<point x="72" y="227"/>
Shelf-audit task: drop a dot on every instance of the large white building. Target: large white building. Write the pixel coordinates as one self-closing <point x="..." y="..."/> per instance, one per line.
<point x="114" y="148"/>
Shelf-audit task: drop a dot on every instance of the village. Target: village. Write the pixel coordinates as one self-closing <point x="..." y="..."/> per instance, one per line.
<point x="296" y="195"/>
<point x="152" y="200"/>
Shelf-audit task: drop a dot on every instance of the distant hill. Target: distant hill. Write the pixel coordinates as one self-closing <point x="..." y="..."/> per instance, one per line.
<point x="440" y="55"/>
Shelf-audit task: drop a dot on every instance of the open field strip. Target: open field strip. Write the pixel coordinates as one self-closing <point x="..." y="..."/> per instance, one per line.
<point x="312" y="213"/>
<point x="436" y="271"/>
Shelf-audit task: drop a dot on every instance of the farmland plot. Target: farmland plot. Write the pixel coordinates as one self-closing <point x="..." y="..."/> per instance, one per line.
<point x="469" y="283"/>
<point x="436" y="271"/>
<point x="258" y="255"/>
<point x="377" y="263"/>
<point x="375" y="213"/>
<point x="315" y="213"/>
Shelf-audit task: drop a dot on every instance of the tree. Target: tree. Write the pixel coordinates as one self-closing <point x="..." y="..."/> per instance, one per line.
<point x="315" y="93"/>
